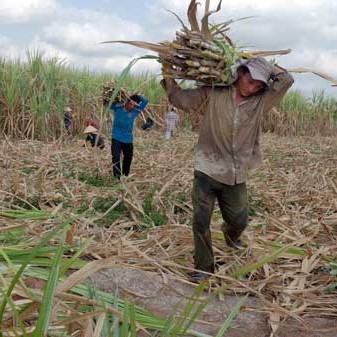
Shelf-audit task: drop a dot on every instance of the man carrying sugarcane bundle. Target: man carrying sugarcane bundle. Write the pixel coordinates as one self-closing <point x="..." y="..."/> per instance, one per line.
<point x="122" y="133"/>
<point x="228" y="147"/>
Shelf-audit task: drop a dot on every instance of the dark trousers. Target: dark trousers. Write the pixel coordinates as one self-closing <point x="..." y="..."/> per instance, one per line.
<point x="117" y="149"/>
<point x="234" y="210"/>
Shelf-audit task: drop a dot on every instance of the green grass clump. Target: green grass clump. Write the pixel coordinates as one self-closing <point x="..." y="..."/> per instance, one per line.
<point x="153" y="216"/>
<point x="256" y="203"/>
<point x="96" y="179"/>
<point x="156" y="218"/>
<point x="102" y="205"/>
<point x="11" y="237"/>
<point x="31" y="203"/>
<point x="332" y="287"/>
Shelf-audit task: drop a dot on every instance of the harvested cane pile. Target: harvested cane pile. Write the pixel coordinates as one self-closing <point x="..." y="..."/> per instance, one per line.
<point x="204" y="54"/>
<point x="114" y="93"/>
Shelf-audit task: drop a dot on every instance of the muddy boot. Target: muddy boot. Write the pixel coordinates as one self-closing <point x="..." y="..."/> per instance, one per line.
<point x="197" y="276"/>
<point x="237" y="244"/>
<point x="232" y="234"/>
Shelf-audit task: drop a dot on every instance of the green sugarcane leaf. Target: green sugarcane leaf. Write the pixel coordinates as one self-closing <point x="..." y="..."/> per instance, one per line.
<point x="25" y="214"/>
<point x="45" y="312"/>
<point x="16" y="314"/>
<point x="290" y="250"/>
<point x="256" y="265"/>
<point x="24" y="264"/>
<point x="190" y="318"/>
<point x="234" y="312"/>
<point x="126" y="319"/>
<point x="133" y="330"/>
<point x="143" y="317"/>
<point x="73" y="261"/>
<point x="124" y="74"/>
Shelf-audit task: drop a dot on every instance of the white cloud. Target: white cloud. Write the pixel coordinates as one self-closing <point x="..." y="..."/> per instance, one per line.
<point x="25" y="11"/>
<point x="147" y="66"/>
<point x="115" y="64"/>
<point x="326" y="62"/>
<point x="49" y="50"/>
<point x="329" y="32"/>
<point x="271" y="6"/>
<point x="315" y="59"/>
<point x="308" y="27"/>
<point x="83" y="33"/>
<point x="7" y="48"/>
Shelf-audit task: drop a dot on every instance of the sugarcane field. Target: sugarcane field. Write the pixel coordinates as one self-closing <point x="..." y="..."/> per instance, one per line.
<point x="196" y="197"/>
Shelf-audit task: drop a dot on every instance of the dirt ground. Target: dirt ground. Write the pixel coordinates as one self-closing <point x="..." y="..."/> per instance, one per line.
<point x="163" y="295"/>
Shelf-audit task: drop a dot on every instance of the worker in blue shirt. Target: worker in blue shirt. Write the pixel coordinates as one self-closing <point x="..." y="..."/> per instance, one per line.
<point x="122" y="133"/>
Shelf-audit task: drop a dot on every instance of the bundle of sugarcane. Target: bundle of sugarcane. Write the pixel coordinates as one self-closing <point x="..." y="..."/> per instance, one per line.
<point x="122" y="95"/>
<point x="203" y="54"/>
<point x="107" y="91"/>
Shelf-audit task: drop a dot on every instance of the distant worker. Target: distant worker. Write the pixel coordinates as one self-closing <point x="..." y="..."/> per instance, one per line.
<point x="171" y="122"/>
<point x="122" y="133"/>
<point x="93" y="122"/>
<point x="67" y="118"/>
<point x="93" y="137"/>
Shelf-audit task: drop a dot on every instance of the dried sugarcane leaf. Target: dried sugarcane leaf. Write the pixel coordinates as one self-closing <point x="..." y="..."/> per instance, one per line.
<point x="159" y="48"/>
<point x="223" y="27"/>
<point x="318" y="73"/>
<point x="270" y="52"/>
<point x="192" y="15"/>
<point x="204" y="21"/>
<point x="178" y="18"/>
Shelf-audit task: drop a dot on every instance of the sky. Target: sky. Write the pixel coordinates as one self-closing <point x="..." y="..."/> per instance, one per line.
<point x="72" y="30"/>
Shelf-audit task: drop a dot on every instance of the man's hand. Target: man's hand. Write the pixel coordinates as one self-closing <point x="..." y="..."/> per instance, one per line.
<point x="167" y="80"/>
<point x="278" y="70"/>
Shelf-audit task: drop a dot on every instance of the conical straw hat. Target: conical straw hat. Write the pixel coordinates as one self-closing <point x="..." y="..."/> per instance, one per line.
<point x="90" y="129"/>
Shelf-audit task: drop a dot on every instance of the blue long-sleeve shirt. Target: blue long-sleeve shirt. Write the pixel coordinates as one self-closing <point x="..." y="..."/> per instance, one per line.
<point x="122" y="129"/>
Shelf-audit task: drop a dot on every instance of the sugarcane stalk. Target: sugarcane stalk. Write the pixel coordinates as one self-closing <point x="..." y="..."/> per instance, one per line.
<point x="195" y="64"/>
<point x="210" y="63"/>
<point x="208" y="53"/>
<point x="206" y="45"/>
<point x="208" y="70"/>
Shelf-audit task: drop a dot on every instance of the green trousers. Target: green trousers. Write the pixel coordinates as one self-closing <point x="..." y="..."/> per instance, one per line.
<point x="234" y="209"/>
